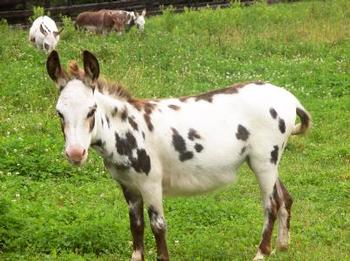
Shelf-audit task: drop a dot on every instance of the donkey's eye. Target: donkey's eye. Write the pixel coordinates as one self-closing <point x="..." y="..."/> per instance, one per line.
<point x="91" y="113"/>
<point x="60" y="115"/>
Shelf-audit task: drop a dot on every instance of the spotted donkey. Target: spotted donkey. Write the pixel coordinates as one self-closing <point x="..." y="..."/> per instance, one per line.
<point x="179" y="146"/>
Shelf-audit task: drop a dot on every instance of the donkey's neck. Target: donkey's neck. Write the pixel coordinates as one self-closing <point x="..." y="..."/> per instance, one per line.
<point x="109" y="117"/>
<point x="118" y="129"/>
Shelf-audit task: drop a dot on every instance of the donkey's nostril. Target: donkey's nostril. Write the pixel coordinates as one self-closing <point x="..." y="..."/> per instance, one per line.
<point x="75" y="152"/>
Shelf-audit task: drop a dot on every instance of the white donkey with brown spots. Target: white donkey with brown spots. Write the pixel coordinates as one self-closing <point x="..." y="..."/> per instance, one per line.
<point x="179" y="146"/>
<point x="44" y="33"/>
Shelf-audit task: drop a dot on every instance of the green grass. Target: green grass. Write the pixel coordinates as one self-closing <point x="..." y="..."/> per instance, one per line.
<point x="50" y="210"/>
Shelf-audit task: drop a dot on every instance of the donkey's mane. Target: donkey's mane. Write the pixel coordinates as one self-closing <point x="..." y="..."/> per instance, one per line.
<point x="113" y="89"/>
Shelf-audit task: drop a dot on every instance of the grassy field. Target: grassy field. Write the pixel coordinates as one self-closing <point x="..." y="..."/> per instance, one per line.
<point x="50" y="210"/>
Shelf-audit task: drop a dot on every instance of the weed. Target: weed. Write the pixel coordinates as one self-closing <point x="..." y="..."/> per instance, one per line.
<point x="37" y="12"/>
<point x="68" y="26"/>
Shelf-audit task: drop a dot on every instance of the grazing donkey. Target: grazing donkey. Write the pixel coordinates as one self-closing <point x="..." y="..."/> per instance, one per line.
<point x="125" y="20"/>
<point x="44" y="33"/>
<point x="104" y="21"/>
<point x="179" y="146"/>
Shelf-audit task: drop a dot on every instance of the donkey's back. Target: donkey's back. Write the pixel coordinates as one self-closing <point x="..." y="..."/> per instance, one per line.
<point x="203" y="139"/>
<point x="99" y="21"/>
<point x="44" y="33"/>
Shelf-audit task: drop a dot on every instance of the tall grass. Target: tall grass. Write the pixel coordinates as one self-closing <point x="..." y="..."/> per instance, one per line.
<point x="50" y="210"/>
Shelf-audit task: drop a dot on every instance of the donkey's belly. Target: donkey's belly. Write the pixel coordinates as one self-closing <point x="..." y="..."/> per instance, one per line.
<point x="93" y="28"/>
<point x="198" y="181"/>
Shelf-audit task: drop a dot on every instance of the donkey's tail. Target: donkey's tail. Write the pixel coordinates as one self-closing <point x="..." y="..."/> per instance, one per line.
<point x="305" y="121"/>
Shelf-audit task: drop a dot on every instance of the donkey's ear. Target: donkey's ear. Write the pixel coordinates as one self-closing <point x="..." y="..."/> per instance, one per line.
<point x="54" y="69"/>
<point x="58" y="33"/>
<point x="91" y="66"/>
<point x="42" y="30"/>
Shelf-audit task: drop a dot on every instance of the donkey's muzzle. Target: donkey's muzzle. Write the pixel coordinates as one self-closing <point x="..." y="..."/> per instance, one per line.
<point x="76" y="154"/>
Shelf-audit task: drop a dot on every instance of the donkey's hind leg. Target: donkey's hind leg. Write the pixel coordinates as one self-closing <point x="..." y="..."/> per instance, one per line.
<point x="284" y="215"/>
<point x="267" y="176"/>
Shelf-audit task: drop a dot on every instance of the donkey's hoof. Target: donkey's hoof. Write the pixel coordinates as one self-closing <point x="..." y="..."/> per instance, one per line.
<point x="283" y="243"/>
<point x="137" y="256"/>
<point x="259" y="256"/>
<point x="281" y="246"/>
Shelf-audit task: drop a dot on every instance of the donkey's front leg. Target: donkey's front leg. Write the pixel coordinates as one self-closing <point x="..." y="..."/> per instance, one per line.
<point x="137" y="223"/>
<point x="153" y="198"/>
<point x="159" y="231"/>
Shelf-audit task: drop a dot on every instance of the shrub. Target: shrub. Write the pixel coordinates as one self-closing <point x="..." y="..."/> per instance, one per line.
<point x="37" y="12"/>
<point x="68" y="26"/>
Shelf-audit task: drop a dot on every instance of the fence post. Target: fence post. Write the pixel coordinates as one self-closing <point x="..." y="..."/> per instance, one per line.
<point x="149" y="5"/>
<point x="47" y="3"/>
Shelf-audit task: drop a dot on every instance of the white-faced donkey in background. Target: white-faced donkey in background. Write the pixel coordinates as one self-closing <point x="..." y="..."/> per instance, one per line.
<point x="44" y="33"/>
<point x="104" y="21"/>
<point x="179" y="146"/>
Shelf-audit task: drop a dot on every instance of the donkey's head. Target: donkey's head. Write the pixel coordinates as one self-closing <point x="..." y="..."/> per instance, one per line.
<point x="76" y="104"/>
<point x="140" y="20"/>
<point x="50" y="38"/>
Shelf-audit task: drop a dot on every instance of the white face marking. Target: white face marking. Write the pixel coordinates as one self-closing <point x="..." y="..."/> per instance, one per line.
<point x="140" y="22"/>
<point x="75" y="102"/>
